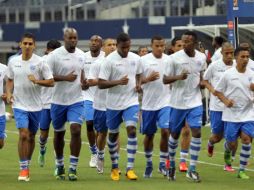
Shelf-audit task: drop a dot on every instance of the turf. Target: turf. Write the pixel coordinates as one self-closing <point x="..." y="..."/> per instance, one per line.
<point x="210" y="169"/>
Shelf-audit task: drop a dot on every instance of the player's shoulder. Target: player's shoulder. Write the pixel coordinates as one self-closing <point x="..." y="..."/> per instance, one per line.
<point x="3" y="66"/>
<point x="133" y="56"/>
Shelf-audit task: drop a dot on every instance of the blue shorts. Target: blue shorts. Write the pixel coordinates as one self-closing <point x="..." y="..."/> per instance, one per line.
<point x="88" y="111"/>
<point x="99" y="121"/>
<point x="2" y="126"/>
<point x="116" y="117"/>
<point x="45" y="119"/>
<point x="217" y="125"/>
<point x="62" y="113"/>
<point x="178" y="117"/>
<point x="233" y="129"/>
<point x="25" y="119"/>
<point x="153" y="119"/>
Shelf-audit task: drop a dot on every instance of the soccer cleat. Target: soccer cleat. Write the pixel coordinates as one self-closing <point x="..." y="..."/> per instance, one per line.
<point x="163" y="171"/>
<point x="24" y="175"/>
<point x="193" y="176"/>
<point x="115" y="174"/>
<point x="131" y="175"/>
<point x="210" y="150"/>
<point x="228" y="168"/>
<point x="41" y="159"/>
<point x="100" y="166"/>
<point x="93" y="161"/>
<point x="72" y="175"/>
<point x="242" y="175"/>
<point x="60" y="173"/>
<point x="172" y="174"/>
<point x="148" y="172"/>
<point x="183" y="167"/>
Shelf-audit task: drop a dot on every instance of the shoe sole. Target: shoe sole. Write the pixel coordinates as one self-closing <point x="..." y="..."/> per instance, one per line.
<point x="60" y="177"/>
<point x="193" y="180"/>
<point x="23" y="179"/>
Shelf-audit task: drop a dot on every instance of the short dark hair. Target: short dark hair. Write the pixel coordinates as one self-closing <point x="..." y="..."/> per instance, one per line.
<point x="219" y="40"/>
<point x="238" y="50"/>
<point x="28" y="35"/>
<point x="174" y="40"/>
<point x="191" y="33"/>
<point x="157" y="37"/>
<point x="122" y="37"/>
<point x="53" y="44"/>
<point x="141" y="47"/>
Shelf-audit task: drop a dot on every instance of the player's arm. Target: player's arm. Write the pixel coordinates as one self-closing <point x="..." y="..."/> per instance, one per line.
<point x="207" y="85"/>
<point x="229" y="103"/>
<point x="44" y="82"/>
<point x="9" y="90"/>
<point x="252" y="86"/>
<point x="104" y="84"/>
<point x="138" y="83"/>
<point x="151" y="77"/>
<point x="70" y="77"/>
<point x="171" y="79"/>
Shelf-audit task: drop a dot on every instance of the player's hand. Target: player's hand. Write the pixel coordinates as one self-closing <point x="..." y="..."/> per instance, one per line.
<point x="184" y="75"/>
<point x="124" y="80"/>
<point x="71" y="77"/>
<point x="9" y="98"/>
<point x="138" y="89"/>
<point x="153" y="76"/>
<point x="32" y="78"/>
<point x="4" y="97"/>
<point x="229" y="103"/>
<point x="85" y="84"/>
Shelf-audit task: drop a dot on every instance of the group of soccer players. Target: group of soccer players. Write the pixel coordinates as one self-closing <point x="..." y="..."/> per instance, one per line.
<point x="102" y="87"/>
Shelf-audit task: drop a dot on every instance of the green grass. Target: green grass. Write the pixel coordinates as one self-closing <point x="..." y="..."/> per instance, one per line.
<point x="213" y="177"/>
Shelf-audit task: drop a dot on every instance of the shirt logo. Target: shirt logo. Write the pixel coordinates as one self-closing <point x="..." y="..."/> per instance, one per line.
<point x="32" y="67"/>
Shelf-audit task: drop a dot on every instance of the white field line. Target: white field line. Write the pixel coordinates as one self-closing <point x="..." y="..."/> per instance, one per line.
<point x="140" y="152"/>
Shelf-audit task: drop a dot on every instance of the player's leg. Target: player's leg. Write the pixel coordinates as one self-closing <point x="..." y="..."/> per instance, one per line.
<point x="101" y="129"/>
<point x="88" y="114"/>
<point x="44" y="131"/>
<point x="2" y="130"/>
<point x="130" y="116"/>
<point x="176" y="123"/>
<point x="246" y="137"/>
<point x="59" y="117"/>
<point x="194" y="119"/>
<point x="114" y="120"/>
<point x="148" y="128"/>
<point x="22" y="121"/>
<point x="185" y="144"/>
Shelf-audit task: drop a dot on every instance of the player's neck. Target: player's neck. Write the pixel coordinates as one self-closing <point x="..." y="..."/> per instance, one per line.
<point x="190" y="53"/>
<point x="241" y="69"/>
<point x="95" y="53"/>
<point x="26" y="57"/>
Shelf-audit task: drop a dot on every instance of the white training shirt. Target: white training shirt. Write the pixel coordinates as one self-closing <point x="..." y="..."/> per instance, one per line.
<point x="100" y="95"/>
<point x="186" y="94"/>
<point x="3" y="70"/>
<point x="121" y="97"/>
<point x="155" y="93"/>
<point x="213" y="74"/>
<point x="46" y="92"/>
<point x="27" y="95"/>
<point x="236" y="86"/>
<point x="217" y="55"/>
<point x="89" y="61"/>
<point x="63" y="63"/>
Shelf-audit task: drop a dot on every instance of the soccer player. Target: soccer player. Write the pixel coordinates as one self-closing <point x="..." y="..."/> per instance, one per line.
<point x="91" y="56"/>
<point x="3" y="69"/>
<point x="217" y="43"/>
<point x="67" y="63"/>
<point x="142" y="50"/>
<point x="211" y="77"/>
<point x="46" y="96"/>
<point x="26" y="73"/>
<point x="155" y="104"/>
<point x="121" y="75"/>
<point x="235" y="90"/>
<point x="184" y="73"/>
<point x="99" y="103"/>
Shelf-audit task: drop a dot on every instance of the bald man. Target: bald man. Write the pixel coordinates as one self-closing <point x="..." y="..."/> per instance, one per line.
<point x="91" y="56"/>
<point x="67" y="63"/>
<point x="211" y="78"/>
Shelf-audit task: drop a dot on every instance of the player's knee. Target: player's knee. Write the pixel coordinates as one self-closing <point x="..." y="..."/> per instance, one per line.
<point x="186" y="133"/>
<point x="112" y="137"/>
<point x="89" y="126"/>
<point x="1" y="144"/>
<point x="131" y="131"/>
<point x="75" y="130"/>
<point x="23" y="136"/>
<point x="164" y="134"/>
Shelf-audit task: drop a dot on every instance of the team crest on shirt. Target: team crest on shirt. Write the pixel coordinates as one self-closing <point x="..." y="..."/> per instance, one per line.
<point x="199" y="63"/>
<point x="80" y="60"/>
<point x="250" y="79"/>
<point x="32" y="67"/>
<point x="132" y="63"/>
